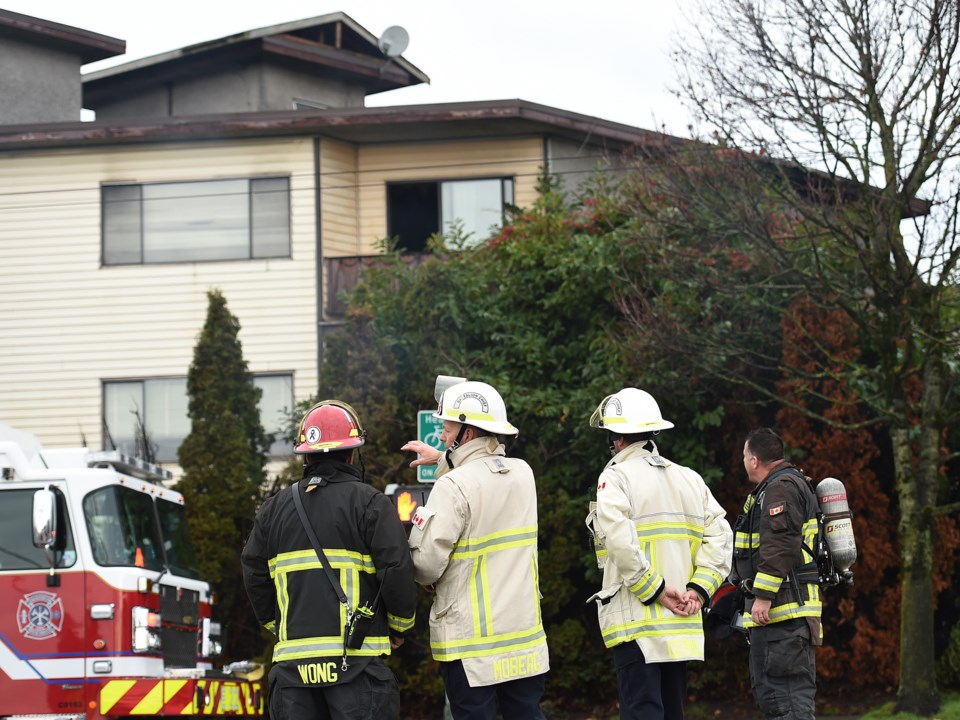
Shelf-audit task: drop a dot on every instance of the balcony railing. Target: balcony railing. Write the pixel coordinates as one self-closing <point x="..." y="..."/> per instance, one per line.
<point x="343" y="273"/>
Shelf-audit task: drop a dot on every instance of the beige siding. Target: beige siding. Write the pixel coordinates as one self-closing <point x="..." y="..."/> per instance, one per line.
<point x="519" y="158"/>
<point x="338" y="201"/>
<point x="67" y="323"/>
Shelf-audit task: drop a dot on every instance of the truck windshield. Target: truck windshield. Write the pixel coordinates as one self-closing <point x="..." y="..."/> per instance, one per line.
<point x="181" y="559"/>
<point x="123" y="528"/>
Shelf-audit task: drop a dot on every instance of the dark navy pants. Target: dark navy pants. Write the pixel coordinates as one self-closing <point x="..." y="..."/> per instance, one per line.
<point x="519" y="699"/>
<point x="648" y="691"/>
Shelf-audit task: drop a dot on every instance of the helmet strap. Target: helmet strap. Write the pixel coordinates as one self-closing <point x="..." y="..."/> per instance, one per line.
<point x="455" y="445"/>
<point x="363" y="469"/>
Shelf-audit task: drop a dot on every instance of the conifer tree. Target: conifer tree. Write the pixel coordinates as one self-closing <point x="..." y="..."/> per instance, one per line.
<point x="223" y="461"/>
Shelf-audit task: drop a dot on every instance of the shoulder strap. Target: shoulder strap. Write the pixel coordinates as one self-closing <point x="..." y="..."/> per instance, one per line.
<point x="322" y="556"/>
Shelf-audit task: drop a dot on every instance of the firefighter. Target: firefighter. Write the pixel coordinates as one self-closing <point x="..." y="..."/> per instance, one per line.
<point x="664" y="547"/>
<point x="773" y="563"/>
<point x="475" y="543"/>
<point x="315" y="675"/>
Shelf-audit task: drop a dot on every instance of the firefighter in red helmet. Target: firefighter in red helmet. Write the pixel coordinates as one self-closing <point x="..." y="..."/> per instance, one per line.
<point x="335" y="612"/>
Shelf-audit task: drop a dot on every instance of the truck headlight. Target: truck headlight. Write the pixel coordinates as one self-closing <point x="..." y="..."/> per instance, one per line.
<point x="146" y="630"/>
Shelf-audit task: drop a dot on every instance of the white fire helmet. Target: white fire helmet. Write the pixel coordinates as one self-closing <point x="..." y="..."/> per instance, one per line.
<point x="477" y="404"/>
<point x="628" y="412"/>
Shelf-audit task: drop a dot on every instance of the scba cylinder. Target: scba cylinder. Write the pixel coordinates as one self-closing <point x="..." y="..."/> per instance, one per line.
<point x="837" y="522"/>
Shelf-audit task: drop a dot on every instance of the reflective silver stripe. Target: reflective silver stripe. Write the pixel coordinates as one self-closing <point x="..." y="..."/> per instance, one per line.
<point x="489" y="646"/>
<point x="629" y="631"/>
<point x="400" y="624"/>
<point x="669" y="533"/>
<point x="307" y="559"/>
<point x="327" y="647"/>
<point x="465" y="547"/>
<point x="479" y="599"/>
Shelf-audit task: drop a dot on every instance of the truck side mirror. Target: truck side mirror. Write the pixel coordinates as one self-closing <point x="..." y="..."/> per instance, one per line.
<point x="45" y="519"/>
<point x="46" y="528"/>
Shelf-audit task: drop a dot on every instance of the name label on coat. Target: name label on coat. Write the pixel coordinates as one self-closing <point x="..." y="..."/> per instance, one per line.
<point x="518" y="666"/>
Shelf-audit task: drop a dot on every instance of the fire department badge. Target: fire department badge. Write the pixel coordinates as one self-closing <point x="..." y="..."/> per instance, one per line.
<point x="39" y="615"/>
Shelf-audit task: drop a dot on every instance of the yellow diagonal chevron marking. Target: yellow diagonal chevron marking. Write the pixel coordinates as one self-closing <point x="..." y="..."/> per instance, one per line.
<point x="112" y="692"/>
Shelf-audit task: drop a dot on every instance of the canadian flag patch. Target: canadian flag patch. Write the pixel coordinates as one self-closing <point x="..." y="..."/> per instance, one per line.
<point x="778" y="509"/>
<point x="418" y="519"/>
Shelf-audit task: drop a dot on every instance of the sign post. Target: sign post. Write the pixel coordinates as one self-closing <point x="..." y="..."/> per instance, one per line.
<point x="428" y="431"/>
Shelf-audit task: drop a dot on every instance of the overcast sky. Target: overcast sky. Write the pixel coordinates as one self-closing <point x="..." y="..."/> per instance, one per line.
<point x="606" y="58"/>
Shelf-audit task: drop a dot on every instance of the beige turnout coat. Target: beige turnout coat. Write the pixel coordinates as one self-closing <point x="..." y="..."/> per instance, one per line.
<point x="476" y="540"/>
<point x="655" y="523"/>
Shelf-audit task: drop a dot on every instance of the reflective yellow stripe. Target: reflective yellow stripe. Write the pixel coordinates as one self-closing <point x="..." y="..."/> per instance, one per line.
<point x="329" y="646"/>
<point x="112" y="691"/>
<point x="400" y="624"/>
<point x="308" y="560"/>
<point x="485" y="647"/>
<point x="647" y="584"/>
<point x="649" y="532"/>
<point x="672" y="626"/>
<point x="455" y="414"/>
<point x="618" y="420"/>
<point x="767" y="583"/>
<point x="746" y="541"/>
<point x="810" y="608"/>
<point x="504" y="540"/>
<point x="480" y="597"/>
<point x="535" y="571"/>
<point x="283" y="602"/>
<point x="708" y="579"/>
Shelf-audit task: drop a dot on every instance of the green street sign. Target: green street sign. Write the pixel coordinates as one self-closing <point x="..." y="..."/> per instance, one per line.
<point x="428" y="431"/>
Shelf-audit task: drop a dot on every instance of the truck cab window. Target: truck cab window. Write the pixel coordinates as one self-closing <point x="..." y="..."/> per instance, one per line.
<point x="16" y="535"/>
<point x="123" y="528"/>
<point x="181" y="558"/>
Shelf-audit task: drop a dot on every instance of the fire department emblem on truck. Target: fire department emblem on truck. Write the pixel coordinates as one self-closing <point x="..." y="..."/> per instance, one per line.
<point x="40" y="615"/>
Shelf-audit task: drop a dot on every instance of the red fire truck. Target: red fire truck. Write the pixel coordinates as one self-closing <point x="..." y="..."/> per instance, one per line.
<point x="102" y="611"/>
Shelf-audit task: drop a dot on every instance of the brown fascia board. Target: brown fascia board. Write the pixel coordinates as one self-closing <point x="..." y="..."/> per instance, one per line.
<point x="330" y="123"/>
<point x="90" y="46"/>
<point x="385" y="71"/>
<point x="374" y="74"/>
<point x="155" y="65"/>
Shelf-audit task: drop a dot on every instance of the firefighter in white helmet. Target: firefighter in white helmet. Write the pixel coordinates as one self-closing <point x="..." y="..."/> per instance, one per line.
<point x="664" y="547"/>
<point x="475" y="543"/>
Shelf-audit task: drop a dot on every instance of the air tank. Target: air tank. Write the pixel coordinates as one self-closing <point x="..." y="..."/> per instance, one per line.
<point x="837" y="523"/>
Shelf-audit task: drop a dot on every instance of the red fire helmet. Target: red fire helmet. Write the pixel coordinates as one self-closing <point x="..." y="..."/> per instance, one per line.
<point x="329" y="425"/>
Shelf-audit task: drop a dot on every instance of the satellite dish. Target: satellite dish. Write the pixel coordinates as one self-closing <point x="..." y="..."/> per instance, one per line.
<point x="394" y="41"/>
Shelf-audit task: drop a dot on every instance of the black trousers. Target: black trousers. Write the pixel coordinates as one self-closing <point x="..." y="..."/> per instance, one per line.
<point x="372" y="695"/>
<point x="648" y="691"/>
<point x="519" y="699"/>
<point x="783" y="670"/>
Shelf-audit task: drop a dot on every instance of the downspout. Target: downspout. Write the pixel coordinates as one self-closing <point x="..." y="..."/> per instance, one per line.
<point x="318" y="218"/>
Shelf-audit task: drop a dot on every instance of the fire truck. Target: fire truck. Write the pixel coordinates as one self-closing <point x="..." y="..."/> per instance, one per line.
<point x="103" y="613"/>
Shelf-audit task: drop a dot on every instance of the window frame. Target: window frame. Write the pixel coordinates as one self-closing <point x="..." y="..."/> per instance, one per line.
<point x="439" y="183"/>
<point x="290" y="374"/>
<point x="249" y="220"/>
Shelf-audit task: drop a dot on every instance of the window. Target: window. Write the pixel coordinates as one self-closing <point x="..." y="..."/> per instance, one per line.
<point x="276" y="404"/>
<point x="196" y="221"/>
<point x="160" y="406"/>
<point x="16" y="534"/>
<point x="123" y="528"/>
<point x="417" y="210"/>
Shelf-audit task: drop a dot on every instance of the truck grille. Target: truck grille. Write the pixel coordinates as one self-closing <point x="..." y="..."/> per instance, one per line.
<point x="180" y="610"/>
